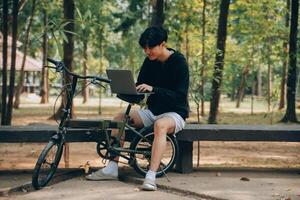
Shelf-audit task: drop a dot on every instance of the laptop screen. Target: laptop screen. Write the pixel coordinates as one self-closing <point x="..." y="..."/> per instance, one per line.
<point x="122" y="81"/>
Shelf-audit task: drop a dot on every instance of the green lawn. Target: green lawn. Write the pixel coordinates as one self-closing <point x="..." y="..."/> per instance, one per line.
<point x="228" y="113"/>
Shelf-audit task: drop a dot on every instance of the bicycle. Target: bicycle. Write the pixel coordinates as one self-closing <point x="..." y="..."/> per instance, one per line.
<point x="137" y="152"/>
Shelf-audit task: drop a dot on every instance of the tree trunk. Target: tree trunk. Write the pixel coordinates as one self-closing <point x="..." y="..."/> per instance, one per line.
<point x="44" y="79"/>
<point x="203" y="60"/>
<point x="158" y="13"/>
<point x="68" y="46"/>
<point x="101" y="40"/>
<point x="69" y="8"/>
<point x="283" y="77"/>
<point x="270" y="80"/>
<point x="285" y="62"/>
<point x="219" y="63"/>
<point x="4" y="62"/>
<point x="69" y="11"/>
<point x="259" y="81"/>
<point x="20" y="85"/>
<point x="290" y="115"/>
<point x="240" y="93"/>
<point x="85" y="91"/>
<point x="187" y="48"/>
<point x="13" y="62"/>
<point x="101" y="71"/>
<point x="233" y="90"/>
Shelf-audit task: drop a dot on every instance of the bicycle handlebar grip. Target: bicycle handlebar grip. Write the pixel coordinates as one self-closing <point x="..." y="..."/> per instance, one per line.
<point x="52" y="61"/>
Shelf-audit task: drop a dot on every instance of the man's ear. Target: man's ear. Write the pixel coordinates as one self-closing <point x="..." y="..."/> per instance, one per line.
<point x="163" y="44"/>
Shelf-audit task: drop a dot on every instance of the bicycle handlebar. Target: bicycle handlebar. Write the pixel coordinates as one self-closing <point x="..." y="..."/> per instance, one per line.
<point x="61" y="66"/>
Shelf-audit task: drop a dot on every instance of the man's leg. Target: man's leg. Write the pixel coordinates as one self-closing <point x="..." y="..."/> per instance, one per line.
<point x="162" y="127"/>
<point x="110" y="171"/>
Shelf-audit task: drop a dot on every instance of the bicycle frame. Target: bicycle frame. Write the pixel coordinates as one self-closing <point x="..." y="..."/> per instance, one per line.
<point x="67" y="114"/>
<point x="141" y="145"/>
<point x="120" y="136"/>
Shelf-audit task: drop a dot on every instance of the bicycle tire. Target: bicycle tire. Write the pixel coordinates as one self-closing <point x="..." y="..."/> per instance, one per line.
<point x="142" y="164"/>
<point x="42" y="176"/>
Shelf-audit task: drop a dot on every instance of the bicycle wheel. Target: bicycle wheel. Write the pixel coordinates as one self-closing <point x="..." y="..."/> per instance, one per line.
<point x="142" y="154"/>
<point x="47" y="164"/>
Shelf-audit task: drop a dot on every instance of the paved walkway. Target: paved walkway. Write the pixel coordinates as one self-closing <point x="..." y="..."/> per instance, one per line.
<point x="208" y="183"/>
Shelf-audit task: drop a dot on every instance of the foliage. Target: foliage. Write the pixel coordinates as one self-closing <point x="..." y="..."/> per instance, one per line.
<point x="256" y="32"/>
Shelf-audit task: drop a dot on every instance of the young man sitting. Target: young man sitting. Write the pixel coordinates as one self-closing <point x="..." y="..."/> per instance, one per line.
<point x="165" y="73"/>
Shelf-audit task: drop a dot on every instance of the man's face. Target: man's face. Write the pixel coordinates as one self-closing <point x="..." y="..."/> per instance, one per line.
<point x="154" y="52"/>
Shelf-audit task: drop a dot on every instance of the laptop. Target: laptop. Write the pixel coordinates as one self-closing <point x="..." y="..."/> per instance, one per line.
<point x="122" y="82"/>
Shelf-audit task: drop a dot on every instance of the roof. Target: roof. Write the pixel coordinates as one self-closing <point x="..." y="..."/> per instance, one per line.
<point x="31" y="64"/>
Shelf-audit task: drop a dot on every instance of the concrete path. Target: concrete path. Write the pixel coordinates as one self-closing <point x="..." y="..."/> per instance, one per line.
<point x="79" y="188"/>
<point x="239" y="184"/>
<point x="204" y="183"/>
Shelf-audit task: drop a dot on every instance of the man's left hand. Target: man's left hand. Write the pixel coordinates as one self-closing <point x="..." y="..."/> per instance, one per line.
<point x="144" y="88"/>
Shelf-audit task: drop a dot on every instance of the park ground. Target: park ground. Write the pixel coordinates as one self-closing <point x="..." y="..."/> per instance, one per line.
<point x="212" y="154"/>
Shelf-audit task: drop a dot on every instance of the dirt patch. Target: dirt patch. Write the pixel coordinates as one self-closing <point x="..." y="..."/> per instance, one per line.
<point x="236" y="154"/>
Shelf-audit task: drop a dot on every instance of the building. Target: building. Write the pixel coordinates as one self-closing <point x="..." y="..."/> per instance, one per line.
<point x="32" y="67"/>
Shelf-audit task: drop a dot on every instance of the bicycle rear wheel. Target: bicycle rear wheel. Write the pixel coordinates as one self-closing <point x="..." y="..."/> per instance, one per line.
<point x="47" y="164"/>
<point x="142" y="154"/>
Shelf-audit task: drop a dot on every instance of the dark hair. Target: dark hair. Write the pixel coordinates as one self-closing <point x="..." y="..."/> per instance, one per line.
<point x="153" y="36"/>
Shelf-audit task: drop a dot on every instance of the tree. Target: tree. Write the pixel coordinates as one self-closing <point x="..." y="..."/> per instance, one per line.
<point x="69" y="8"/>
<point x="203" y="60"/>
<point x="44" y="81"/>
<point x="290" y="114"/>
<point x="158" y="13"/>
<point x="13" y="63"/>
<point x="19" y="88"/>
<point x="219" y="63"/>
<point x="69" y="12"/>
<point x="285" y="61"/>
<point x="240" y="93"/>
<point x="4" y="61"/>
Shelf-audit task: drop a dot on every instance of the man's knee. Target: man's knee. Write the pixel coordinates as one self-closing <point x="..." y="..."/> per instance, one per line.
<point x="134" y="119"/>
<point x="164" y="126"/>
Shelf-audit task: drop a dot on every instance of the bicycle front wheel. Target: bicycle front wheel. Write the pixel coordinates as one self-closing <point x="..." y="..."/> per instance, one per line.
<point x="142" y="153"/>
<point x="47" y="164"/>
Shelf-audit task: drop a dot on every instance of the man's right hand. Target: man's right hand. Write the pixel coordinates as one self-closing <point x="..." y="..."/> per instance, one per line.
<point x="144" y="88"/>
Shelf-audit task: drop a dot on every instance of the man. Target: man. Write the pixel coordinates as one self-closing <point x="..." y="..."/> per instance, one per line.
<point x="165" y="73"/>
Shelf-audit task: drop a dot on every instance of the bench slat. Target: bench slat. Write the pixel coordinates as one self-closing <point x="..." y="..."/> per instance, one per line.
<point x="193" y="132"/>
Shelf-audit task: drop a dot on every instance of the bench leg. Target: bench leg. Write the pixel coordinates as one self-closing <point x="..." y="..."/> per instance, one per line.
<point x="185" y="160"/>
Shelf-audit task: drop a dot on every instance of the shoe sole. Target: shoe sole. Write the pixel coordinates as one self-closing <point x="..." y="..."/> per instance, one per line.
<point x="146" y="188"/>
<point x="99" y="178"/>
<point x="102" y="179"/>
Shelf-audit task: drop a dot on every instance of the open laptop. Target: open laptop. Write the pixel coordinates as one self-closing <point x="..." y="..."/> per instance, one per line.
<point x="122" y="82"/>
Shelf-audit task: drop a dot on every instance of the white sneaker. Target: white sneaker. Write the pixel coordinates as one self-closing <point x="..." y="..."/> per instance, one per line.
<point x="99" y="175"/>
<point x="149" y="185"/>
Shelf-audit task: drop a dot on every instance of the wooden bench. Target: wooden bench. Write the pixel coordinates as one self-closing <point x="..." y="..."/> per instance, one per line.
<point x="191" y="133"/>
<point x="248" y="133"/>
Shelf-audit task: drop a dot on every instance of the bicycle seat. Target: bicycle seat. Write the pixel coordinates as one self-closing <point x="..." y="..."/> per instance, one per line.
<point x="131" y="98"/>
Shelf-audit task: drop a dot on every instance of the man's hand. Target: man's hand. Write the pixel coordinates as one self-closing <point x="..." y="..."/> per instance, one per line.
<point x="144" y="88"/>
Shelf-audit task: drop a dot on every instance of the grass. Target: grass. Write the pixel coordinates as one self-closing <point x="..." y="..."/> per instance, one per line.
<point x="228" y="113"/>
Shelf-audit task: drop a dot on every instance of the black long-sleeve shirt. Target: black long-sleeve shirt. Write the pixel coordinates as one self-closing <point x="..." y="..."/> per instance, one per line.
<point x="170" y="82"/>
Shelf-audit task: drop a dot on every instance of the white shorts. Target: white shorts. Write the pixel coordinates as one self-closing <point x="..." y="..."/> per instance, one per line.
<point x="149" y="118"/>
